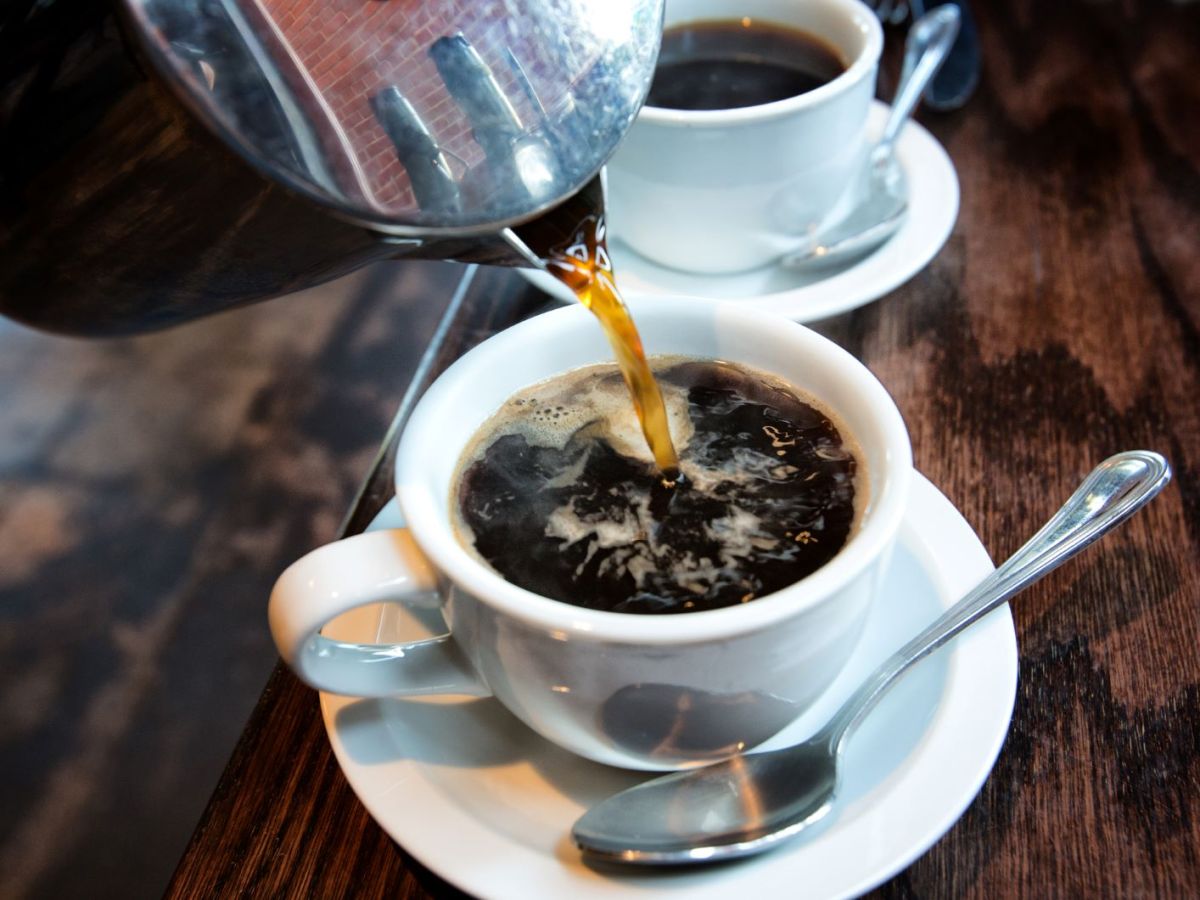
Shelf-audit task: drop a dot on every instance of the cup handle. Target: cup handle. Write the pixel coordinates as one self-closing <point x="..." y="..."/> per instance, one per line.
<point x="375" y="567"/>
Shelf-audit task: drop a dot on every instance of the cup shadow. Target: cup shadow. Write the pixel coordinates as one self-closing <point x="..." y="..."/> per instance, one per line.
<point x="471" y="733"/>
<point x="475" y="733"/>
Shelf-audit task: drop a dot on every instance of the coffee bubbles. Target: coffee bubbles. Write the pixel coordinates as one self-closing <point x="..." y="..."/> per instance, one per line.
<point x="558" y="492"/>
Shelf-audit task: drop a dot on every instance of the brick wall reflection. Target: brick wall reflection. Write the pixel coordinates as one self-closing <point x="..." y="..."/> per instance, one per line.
<point x="344" y="51"/>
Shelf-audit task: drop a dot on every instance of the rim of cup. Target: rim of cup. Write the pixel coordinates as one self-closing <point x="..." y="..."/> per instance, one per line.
<point x="427" y="507"/>
<point x="861" y="67"/>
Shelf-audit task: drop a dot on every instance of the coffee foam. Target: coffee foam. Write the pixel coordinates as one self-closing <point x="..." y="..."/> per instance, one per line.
<point x="574" y="412"/>
<point x="549" y="413"/>
<point x="638" y="551"/>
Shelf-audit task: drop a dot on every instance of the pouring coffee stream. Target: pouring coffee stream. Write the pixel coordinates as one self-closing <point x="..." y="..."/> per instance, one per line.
<point x="591" y="278"/>
<point x="582" y="262"/>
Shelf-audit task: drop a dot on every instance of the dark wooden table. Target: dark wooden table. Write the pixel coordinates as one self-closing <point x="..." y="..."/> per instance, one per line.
<point x="1060" y="324"/>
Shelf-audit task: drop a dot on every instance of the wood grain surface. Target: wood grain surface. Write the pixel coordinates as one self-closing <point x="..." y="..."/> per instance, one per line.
<point x="1060" y="324"/>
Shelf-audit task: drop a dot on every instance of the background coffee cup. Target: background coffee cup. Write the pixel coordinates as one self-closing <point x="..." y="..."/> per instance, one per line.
<point x="716" y="191"/>
<point x="638" y="691"/>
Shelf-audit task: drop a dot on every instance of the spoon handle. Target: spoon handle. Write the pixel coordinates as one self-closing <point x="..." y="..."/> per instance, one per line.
<point x="925" y="49"/>
<point x="1114" y="490"/>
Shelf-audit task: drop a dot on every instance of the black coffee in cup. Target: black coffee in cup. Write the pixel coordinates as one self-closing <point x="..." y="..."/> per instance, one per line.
<point x="727" y="64"/>
<point x="558" y="494"/>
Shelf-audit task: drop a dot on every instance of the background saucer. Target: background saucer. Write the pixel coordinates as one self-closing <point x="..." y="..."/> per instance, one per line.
<point x="816" y="294"/>
<point x="487" y="804"/>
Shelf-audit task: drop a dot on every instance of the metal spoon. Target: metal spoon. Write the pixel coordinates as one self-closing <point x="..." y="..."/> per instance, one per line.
<point x="751" y="803"/>
<point x="883" y="186"/>
<point x="954" y="84"/>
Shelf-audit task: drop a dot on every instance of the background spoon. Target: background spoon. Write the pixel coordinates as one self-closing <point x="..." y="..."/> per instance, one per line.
<point x="959" y="77"/>
<point x="751" y="803"/>
<point x="883" y="188"/>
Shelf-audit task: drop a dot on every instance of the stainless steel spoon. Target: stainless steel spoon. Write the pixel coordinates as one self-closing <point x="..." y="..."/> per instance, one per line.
<point x="953" y="86"/>
<point x="748" y="804"/>
<point x="883" y="188"/>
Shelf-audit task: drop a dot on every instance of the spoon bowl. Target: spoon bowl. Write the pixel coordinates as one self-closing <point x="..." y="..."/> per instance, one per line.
<point x="744" y="805"/>
<point x="751" y="803"/>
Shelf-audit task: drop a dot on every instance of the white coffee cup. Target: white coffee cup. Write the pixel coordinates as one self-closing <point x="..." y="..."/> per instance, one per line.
<point x="716" y="191"/>
<point x="599" y="682"/>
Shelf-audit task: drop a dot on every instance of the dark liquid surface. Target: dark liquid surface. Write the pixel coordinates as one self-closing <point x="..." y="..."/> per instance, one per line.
<point x="767" y="495"/>
<point x="728" y="64"/>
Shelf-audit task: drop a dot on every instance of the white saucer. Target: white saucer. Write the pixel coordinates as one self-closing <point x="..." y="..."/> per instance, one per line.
<point x="487" y="804"/>
<point x="815" y="294"/>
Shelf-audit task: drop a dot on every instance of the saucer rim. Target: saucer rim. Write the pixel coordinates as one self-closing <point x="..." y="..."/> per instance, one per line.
<point x="994" y="642"/>
<point x="935" y="200"/>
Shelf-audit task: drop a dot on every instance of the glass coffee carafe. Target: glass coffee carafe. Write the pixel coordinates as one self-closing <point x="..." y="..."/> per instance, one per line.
<point x="161" y="160"/>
